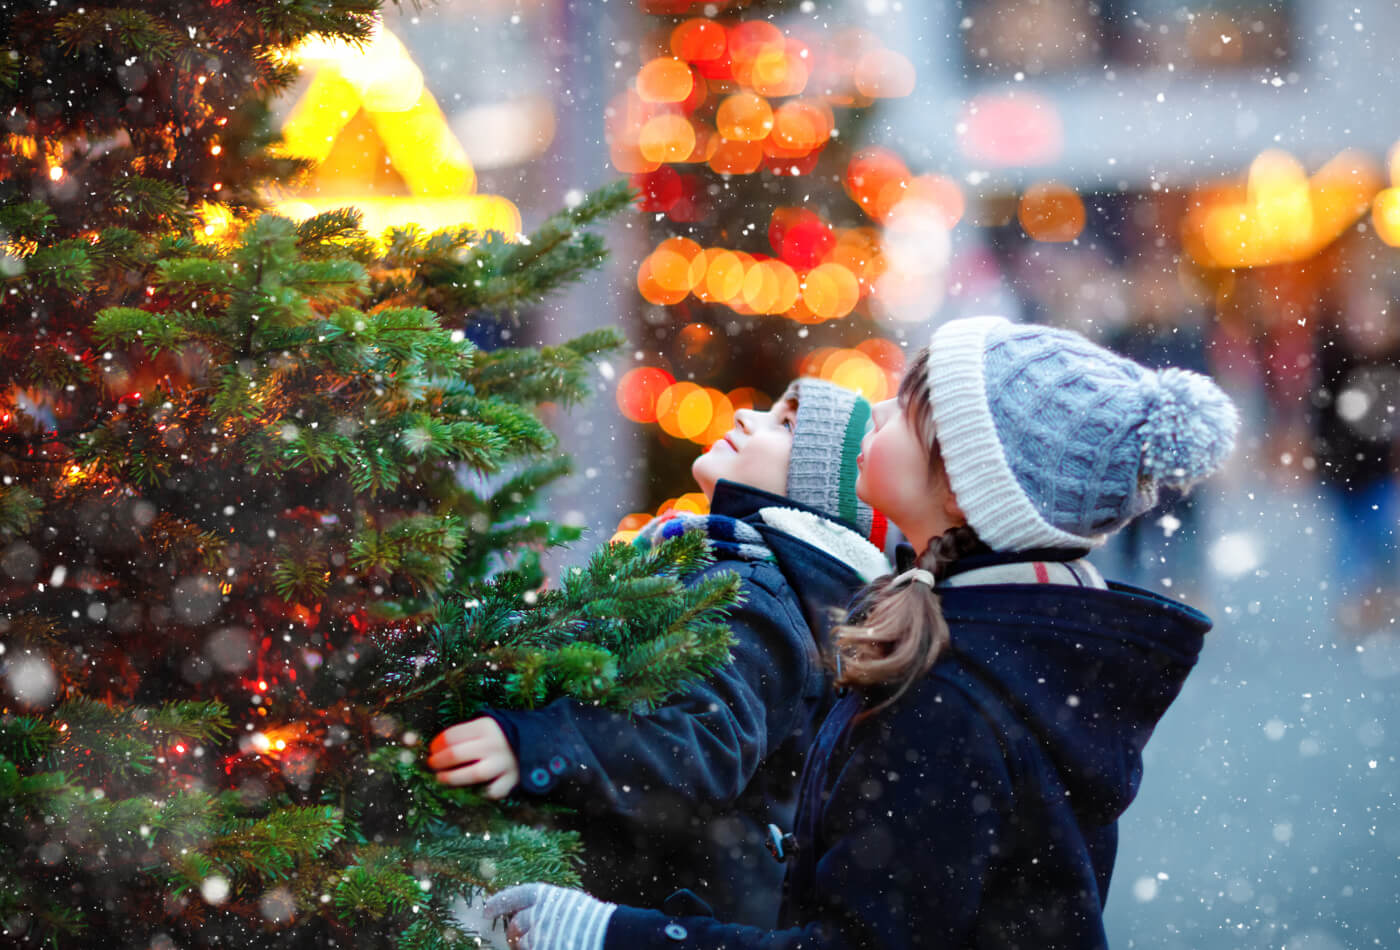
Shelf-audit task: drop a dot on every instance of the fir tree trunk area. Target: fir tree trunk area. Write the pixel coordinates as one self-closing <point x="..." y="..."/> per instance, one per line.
<point x="267" y="516"/>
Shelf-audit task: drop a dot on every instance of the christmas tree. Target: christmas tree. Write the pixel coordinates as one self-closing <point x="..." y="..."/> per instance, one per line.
<point x="267" y="516"/>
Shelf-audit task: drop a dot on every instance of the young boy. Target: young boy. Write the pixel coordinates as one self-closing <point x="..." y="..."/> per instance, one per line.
<point x="681" y="797"/>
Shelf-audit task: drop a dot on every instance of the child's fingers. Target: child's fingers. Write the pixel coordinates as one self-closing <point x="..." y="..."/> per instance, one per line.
<point x="484" y="770"/>
<point x="459" y="754"/>
<point x="502" y="786"/>
<point x="462" y="732"/>
<point x="512" y="900"/>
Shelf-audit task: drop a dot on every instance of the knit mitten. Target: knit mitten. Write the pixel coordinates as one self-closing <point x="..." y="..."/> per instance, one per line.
<point x="545" y="917"/>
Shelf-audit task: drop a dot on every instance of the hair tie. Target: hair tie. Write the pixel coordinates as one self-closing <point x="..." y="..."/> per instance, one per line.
<point x="914" y="574"/>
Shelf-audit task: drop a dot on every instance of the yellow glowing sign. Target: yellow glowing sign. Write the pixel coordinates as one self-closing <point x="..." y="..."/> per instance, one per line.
<point x="377" y="86"/>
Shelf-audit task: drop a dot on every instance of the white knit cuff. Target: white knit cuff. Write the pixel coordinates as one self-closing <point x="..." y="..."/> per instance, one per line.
<point x="982" y="481"/>
<point x="572" y="919"/>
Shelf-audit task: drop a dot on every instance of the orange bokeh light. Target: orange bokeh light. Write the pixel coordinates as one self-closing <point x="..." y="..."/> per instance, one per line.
<point x="780" y="70"/>
<point x="671" y="264"/>
<point x="1052" y="212"/>
<point x="667" y="138"/>
<point x="885" y="354"/>
<point x="875" y="179"/>
<point x="653" y="291"/>
<point x="665" y="80"/>
<point x="698" y="39"/>
<point x="736" y="158"/>
<point x="744" y="117"/>
<point x="802" y="125"/>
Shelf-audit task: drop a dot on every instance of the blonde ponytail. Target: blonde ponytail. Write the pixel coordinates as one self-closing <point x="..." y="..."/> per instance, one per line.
<point x="898" y="632"/>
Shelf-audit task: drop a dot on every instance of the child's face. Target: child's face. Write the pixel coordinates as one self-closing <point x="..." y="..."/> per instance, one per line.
<point x="754" y="452"/>
<point x="900" y="479"/>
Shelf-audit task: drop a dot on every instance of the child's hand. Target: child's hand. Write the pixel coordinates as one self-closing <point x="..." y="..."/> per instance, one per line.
<point x="475" y="753"/>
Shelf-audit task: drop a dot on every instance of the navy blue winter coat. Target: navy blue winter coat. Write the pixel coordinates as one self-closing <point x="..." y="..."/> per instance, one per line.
<point x="682" y="797"/>
<point x="980" y="810"/>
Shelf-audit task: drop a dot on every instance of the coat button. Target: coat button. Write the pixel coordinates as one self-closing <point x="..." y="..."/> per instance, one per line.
<point x="556" y="765"/>
<point x="539" y="778"/>
<point x="676" y="932"/>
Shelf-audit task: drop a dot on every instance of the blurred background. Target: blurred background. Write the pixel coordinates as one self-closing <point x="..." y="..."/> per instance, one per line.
<point x="1203" y="184"/>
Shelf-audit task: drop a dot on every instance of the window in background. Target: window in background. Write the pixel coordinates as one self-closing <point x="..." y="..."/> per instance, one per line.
<point x="1046" y="37"/>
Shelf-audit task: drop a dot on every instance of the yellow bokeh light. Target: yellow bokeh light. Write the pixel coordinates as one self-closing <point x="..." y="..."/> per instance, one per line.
<point x="1385" y="215"/>
<point x="724" y="278"/>
<point x="694" y="413"/>
<point x="1281" y="215"/>
<point x="830" y="291"/>
<point x="668" y="404"/>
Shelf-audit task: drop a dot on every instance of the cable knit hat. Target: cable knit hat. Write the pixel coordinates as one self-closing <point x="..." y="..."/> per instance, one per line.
<point x="1051" y="441"/>
<point x="831" y="421"/>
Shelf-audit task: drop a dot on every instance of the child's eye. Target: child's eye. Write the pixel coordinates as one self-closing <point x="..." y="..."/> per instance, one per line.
<point x="790" y="425"/>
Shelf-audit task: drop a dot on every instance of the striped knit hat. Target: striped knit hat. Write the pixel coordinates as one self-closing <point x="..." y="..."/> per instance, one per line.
<point x="831" y="421"/>
<point x="1051" y="441"/>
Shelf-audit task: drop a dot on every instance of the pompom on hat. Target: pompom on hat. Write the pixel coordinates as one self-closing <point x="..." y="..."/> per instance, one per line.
<point x="1051" y="441"/>
<point x="831" y="421"/>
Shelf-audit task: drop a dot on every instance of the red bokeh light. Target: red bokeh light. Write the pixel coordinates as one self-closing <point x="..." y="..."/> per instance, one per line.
<point x="800" y="236"/>
<point x="660" y="189"/>
<point x="638" y="391"/>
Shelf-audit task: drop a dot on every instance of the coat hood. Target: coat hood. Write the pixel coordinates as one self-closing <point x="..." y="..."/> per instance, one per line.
<point x="1088" y="672"/>
<point x="824" y="560"/>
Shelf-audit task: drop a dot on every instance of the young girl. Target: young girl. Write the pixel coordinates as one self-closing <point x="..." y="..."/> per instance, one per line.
<point x="965" y="791"/>
<point x="682" y="797"/>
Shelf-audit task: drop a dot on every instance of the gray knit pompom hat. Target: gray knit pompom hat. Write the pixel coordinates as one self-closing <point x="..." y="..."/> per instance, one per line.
<point x="831" y="421"/>
<point x="1051" y="441"/>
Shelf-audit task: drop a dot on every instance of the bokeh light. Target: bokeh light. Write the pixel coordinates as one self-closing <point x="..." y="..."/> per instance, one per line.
<point x="667" y="138"/>
<point x="800" y="236"/>
<point x="883" y="74"/>
<point x="736" y="158"/>
<point x="671" y="264"/>
<point x="638" y="391"/>
<point x="651" y="288"/>
<point x="1385" y="215"/>
<point x="830" y="291"/>
<point x="744" y="117"/>
<point x="853" y="369"/>
<point x="870" y="175"/>
<point x="698" y="39"/>
<point x="780" y="69"/>
<point x="802" y="125"/>
<point x="1052" y="212"/>
<point x="665" y="80"/>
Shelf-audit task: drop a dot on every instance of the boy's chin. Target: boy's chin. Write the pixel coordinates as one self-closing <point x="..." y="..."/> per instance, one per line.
<point x="703" y="477"/>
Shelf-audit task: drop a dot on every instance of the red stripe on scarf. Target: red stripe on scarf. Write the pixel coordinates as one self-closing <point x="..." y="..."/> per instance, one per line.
<point x="878" y="528"/>
<point x="1042" y="576"/>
